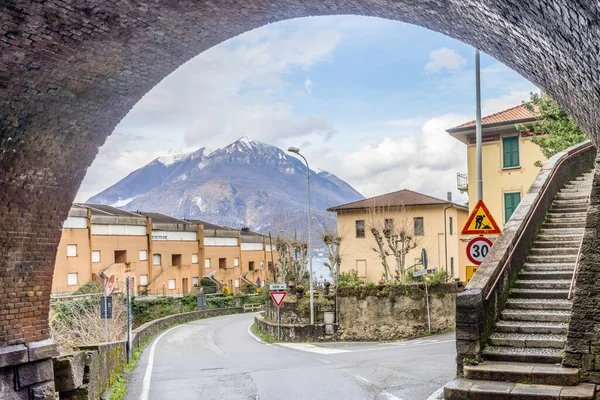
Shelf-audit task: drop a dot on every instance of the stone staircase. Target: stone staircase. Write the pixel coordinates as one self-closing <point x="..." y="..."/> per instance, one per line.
<point x="523" y="356"/>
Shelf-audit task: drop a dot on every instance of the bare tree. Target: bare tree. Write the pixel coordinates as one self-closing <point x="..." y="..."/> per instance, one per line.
<point x="282" y="246"/>
<point x="299" y="261"/>
<point x="332" y="242"/>
<point x="393" y="235"/>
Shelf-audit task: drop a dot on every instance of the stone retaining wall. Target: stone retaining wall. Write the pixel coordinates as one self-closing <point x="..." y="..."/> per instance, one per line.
<point x="476" y="317"/>
<point x="291" y="332"/>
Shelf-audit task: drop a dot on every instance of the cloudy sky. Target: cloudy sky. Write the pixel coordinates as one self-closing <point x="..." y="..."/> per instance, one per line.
<point x="364" y="98"/>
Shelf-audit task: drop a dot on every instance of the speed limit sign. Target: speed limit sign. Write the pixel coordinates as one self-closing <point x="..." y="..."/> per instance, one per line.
<point x="477" y="249"/>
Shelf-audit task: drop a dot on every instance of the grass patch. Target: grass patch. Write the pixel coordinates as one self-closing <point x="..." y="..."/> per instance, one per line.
<point x="264" y="336"/>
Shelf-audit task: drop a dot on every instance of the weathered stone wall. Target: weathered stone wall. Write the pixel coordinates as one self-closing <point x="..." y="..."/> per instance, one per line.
<point x="291" y="332"/>
<point x="476" y="316"/>
<point x="583" y="338"/>
<point x="395" y="312"/>
<point x="71" y="70"/>
<point x="291" y="313"/>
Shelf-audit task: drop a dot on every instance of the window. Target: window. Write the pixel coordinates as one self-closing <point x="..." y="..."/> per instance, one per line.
<point x="511" y="201"/>
<point x="143" y="255"/>
<point x="96" y="256"/>
<point x="250" y="265"/>
<point x="262" y="265"/>
<point x="176" y="260"/>
<point x="72" y="279"/>
<point x="236" y="262"/>
<point x="510" y="152"/>
<point x="451" y="226"/>
<point x="120" y="256"/>
<point x="171" y="284"/>
<point x="207" y="263"/>
<point x="195" y="281"/>
<point x="360" y="228"/>
<point x="156" y="259"/>
<point x="419" y="228"/>
<point x="236" y="283"/>
<point x="222" y="263"/>
<point x="143" y="280"/>
<point x="451" y="266"/>
<point x="194" y="258"/>
<point x="71" y="250"/>
<point x="388" y="226"/>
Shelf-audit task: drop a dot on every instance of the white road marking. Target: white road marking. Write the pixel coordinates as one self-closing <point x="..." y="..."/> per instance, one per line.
<point x="148" y="374"/>
<point x="364" y="380"/>
<point x="407" y="345"/>
<point x="254" y="336"/>
<point x="386" y="396"/>
<point x="437" y="395"/>
<point x="311" y="348"/>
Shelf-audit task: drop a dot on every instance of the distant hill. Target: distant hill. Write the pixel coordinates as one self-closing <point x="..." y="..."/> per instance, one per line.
<point x="247" y="183"/>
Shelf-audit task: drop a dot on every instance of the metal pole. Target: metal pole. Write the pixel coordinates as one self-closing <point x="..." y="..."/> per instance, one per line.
<point x="427" y="298"/>
<point x="278" y="324"/>
<point x="312" y="295"/>
<point x="129" y="352"/>
<point x="105" y="313"/>
<point x="478" y="125"/>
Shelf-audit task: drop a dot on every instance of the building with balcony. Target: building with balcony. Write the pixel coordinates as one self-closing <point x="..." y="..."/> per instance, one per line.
<point x="510" y="161"/>
<point x="161" y="254"/>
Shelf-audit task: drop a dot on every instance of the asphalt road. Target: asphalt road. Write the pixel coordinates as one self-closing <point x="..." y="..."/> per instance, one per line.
<point x="217" y="358"/>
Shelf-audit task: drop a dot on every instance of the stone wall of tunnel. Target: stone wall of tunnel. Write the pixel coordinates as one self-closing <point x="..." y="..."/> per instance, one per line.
<point x="71" y="69"/>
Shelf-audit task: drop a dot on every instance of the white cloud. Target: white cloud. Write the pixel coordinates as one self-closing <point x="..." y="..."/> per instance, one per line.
<point x="445" y="58"/>
<point x="514" y="98"/>
<point x="308" y="85"/>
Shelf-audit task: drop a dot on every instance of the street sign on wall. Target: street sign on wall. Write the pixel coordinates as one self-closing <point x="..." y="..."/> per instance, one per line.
<point x="277" y="287"/>
<point x="106" y="307"/>
<point x="477" y="249"/>
<point x="481" y="222"/>
<point x="278" y="297"/>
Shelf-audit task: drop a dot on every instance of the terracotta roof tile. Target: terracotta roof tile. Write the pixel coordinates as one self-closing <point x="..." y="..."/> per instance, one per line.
<point x="400" y="198"/>
<point x="512" y="114"/>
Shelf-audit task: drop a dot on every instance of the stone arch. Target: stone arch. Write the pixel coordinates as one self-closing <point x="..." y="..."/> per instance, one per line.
<point x="71" y="70"/>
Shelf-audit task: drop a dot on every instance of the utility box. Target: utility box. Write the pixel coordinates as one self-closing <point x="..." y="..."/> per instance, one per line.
<point x="201" y="298"/>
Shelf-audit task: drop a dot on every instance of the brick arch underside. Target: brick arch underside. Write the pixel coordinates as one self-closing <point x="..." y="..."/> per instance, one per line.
<point x="71" y="69"/>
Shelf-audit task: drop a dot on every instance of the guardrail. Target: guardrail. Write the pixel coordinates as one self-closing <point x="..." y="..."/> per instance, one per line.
<point x="253" y="307"/>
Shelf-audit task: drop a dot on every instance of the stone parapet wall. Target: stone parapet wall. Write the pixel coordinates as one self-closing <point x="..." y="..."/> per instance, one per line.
<point x="476" y="317"/>
<point x="395" y="312"/>
<point x="291" y="332"/>
<point x="583" y="338"/>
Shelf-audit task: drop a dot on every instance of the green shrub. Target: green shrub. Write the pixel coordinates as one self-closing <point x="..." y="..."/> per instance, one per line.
<point x="89" y="288"/>
<point x="207" y="282"/>
<point x="219" y="302"/>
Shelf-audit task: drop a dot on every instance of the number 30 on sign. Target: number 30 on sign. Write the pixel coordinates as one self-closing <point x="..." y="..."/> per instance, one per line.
<point x="477" y="249"/>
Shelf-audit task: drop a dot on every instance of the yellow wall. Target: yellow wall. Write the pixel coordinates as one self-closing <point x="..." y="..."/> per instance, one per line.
<point x="496" y="180"/>
<point x="65" y="265"/>
<point x="187" y="270"/>
<point x="257" y="256"/>
<point x="354" y="251"/>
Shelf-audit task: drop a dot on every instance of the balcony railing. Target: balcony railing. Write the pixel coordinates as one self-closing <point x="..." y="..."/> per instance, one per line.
<point x="462" y="182"/>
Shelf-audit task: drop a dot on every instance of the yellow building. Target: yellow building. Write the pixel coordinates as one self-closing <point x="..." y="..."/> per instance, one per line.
<point x="508" y="160"/>
<point x="433" y="223"/>
<point x="162" y="255"/>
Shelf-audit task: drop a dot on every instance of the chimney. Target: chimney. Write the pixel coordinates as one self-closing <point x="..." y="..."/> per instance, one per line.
<point x="449" y="196"/>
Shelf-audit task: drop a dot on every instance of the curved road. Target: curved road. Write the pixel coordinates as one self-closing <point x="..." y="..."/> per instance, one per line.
<point x="217" y="358"/>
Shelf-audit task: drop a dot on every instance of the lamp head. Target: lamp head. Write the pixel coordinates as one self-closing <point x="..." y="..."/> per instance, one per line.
<point x="294" y="150"/>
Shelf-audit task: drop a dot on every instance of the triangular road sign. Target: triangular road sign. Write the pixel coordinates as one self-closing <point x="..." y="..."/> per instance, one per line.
<point x="481" y="222"/>
<point x="278" y="297"/>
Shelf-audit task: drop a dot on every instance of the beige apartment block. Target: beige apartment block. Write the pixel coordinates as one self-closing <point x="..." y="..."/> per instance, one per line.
<point x="433" y="223"/>
<point x="508" y="158"/>
<point x="162" y="255"/>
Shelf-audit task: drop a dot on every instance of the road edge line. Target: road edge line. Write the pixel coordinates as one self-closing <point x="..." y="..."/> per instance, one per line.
<point x="249" y="330"/>
<point x="148" y="375"/>
<point x="437" y="395"/>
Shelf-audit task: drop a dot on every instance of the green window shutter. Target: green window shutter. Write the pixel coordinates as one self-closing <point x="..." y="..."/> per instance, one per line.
<point x="511" y="201"/>
<point x="510" y="150"/>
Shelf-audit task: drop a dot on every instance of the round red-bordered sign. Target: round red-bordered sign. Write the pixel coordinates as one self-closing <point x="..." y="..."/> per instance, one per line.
<point x="477" y="249"/>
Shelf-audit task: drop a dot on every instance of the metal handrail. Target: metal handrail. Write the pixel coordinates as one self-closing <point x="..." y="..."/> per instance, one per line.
<point x="529" y="220"/>
<point x="570" y="296"/>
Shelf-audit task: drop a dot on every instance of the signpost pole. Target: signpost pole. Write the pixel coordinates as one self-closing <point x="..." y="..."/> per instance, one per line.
<point x="278" y="324"/>
<point x="428" y="314"/>
<point x="127" y="284"/>
<point x="105" y="313"/>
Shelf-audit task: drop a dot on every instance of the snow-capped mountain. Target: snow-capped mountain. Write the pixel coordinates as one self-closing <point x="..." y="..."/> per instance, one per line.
<point x="247" y="183"/>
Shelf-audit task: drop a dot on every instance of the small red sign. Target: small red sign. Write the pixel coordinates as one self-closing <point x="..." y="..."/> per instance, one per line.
<point x="477" y="249"/>
<point x="278" y="297"/>
<point x="110" y="285"/>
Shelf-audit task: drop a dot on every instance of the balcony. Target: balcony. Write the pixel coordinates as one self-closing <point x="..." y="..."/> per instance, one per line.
<point x="462" y="182"/>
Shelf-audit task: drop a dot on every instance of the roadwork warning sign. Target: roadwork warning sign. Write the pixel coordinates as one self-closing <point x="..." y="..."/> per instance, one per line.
<point x="481" y="222"/>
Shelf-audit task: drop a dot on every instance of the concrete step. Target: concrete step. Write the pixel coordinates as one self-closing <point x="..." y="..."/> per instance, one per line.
<point x="570" y="219"/>
<point x="532" y="327"/>
<point x="520" y="354"/>
<point x="562" y="232"/>
<point x="545" y="275"/>
<point x="554" y="214"/>
<point x="572" y="196"/>
<point x="562" y="225"/>
<point x="543" y="284"/>
<point x="536" y="315"/>
<point x="528" y="340"/>
<point x="576" y="189"/>
<point x="539" y="293"/>
<point x="566" y="206"/>
<point x="530" y="373"/>
<point x="461" y="389"/>
<point x="559" y="250"/>
<point x="539" y="304"/>
<point x="547" y="244"/>
<point x="557" y="238"/>
<point x="551" y="259"/>
<point x="582" y="208"/>
<point x="549" y="266"/>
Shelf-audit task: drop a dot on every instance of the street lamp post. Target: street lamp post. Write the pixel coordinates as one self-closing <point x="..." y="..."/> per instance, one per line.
<point x="312" y="298"/>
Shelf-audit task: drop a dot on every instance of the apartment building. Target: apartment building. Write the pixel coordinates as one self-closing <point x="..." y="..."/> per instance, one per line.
<point x="433" y="223"/>
<point x="162" y="255"/>
<point x="509" y="160"/>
